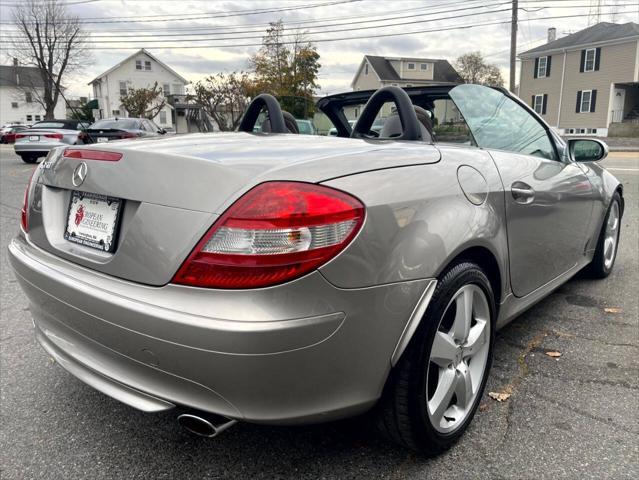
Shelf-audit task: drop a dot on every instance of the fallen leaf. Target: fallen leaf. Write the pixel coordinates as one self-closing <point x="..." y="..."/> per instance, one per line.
<point x="499" y="396"/>
<point x="553" y="354"/>
<point x="613" y="310"/>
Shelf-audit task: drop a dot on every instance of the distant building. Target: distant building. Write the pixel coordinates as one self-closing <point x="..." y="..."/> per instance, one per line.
<point x="140" y="70"/>
<point x="375" y="72"/>
<point x="586" y="83"/>
<point x="20" y="88"/>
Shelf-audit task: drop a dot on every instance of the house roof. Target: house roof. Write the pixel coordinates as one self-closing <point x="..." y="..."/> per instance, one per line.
<point x="16" y="76"/>
<point x="443" y="71"/>
<point x="601" y="32"/>
<point x="145" y="52"/>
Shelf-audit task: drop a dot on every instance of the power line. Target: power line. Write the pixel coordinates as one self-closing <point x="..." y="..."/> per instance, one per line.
<point x="309" y="33"/>
<point x="361" y="37"/>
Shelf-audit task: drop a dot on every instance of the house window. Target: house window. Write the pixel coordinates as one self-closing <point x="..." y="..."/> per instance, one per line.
<point x="538" y="104"/>
<point x="177" y="89"/>
<point x="541" y="67"/>
<point x="589" y="59"/>
<point x="37" y="118"/>
<point x="408" y="85"/>
<point x="166" y="89"/>
<point x="411" y="66"/>
<point x="586" y="97"/>
<point x="162" y="117"/>
<point x="122" y="89"/>
<point x="29" y="118"/>
<point x="28" y="97"/>
<point x="147" y="65"/>
<point x="116" y="113"/>
<point x="138" y="64"/>
<point x="423" y="66"/>
<point x="14" y="104"/>
<point x="366" y="69"/>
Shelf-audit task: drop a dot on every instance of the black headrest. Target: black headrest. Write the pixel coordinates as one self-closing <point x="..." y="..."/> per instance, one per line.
<point x="289" y="121"/>
<point x="393" y="126"/>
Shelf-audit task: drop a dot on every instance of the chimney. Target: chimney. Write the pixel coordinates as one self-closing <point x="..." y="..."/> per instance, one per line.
<point x="15" y="62"/>
<point x="552" y="34"/>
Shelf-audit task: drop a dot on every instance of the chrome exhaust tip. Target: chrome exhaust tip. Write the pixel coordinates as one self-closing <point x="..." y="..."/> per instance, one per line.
<point x="208" y="426"/>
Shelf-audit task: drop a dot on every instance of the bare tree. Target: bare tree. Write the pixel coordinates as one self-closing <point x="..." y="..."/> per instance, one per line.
<point x="473" y="69"/>
<point x="144" y="102"/>
<point x="224" y="97"/>
<point x="50" y="39"/>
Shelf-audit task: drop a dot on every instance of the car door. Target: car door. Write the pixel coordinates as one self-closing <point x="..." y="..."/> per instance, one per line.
<point x="548" y="198"/>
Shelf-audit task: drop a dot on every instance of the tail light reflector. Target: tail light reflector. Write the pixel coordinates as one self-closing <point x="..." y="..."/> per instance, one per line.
<point x="57" y="136"/>
<point x="24" y="213"/>
<point x="92" y="155"/>
<point x="20" y="135"/>
<point x="128" y="135"/>
<point x="274" y="233"/>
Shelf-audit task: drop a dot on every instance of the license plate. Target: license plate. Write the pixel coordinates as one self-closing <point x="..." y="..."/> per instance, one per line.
<point x="34" y="138"/>
<point x="102" y="139"/>
<point x="93" y="220"/>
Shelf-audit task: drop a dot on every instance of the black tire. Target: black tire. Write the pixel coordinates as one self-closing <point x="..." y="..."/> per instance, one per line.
<point x="401" y="413"/>
<point x="26" y="158"/>
<point x="597" y="268"/>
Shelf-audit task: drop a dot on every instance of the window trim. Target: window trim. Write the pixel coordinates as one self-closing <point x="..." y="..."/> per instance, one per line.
<point x="545" y="58"/>
<point x="147" y="63"/>
<point x="594" y="60"/>
<point x="408" y="64"/>
<point x="581" y="103"/>
<point x="139" y="65"/>
<point x="423" y="67"/>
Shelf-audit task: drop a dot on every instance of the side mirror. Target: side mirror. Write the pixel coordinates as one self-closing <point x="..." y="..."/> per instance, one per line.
<point x="587" y="150"/>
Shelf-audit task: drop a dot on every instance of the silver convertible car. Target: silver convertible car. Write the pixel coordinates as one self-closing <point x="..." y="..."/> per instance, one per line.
<point x="286" y="279"/>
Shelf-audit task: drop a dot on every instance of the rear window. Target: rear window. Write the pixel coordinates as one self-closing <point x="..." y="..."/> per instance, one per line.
<point x="116" y="124"/>
<point x="49" y="125"/>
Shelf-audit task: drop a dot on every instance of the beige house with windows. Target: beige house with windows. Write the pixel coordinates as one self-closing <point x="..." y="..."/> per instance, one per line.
<point x="375" y="72"/>
<point x="140" y="70"/>
<point x="586" y="83"/>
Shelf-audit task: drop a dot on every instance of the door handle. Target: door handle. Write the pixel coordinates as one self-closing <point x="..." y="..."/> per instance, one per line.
<point x="522" y="192"/>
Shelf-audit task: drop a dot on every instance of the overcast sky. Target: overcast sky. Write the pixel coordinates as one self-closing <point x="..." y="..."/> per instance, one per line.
<point x="163" y="26"/>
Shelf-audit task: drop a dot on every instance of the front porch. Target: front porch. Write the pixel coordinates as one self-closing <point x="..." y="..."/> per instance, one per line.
<point x="624" y="110"/>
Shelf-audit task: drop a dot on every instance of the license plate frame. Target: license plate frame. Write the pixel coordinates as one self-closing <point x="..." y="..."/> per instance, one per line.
<point x="103" y="139"/>
<point x="89" y="237"/>
<point x="34" y="138"/>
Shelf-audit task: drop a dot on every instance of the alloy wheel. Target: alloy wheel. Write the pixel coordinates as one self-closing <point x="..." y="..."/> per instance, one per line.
<point x="458" y="359"/>
<point x="611" y="236"/>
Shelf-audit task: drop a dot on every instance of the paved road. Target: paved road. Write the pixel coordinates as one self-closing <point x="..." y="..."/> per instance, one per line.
<point x="575" y="417"/>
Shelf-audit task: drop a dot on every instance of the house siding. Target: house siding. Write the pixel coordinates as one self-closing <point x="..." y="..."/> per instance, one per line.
<point x="550" y="85"/>
<point x="616" y="66"/>
<point x="366" y="82"/>
<point x="8" y="114"/>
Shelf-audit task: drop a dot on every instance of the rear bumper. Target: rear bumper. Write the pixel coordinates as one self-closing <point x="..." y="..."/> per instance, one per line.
<point x="36" y="147"/>
<point x="301" y="352"/>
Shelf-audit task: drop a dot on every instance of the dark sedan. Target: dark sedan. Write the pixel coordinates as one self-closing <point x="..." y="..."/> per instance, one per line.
<point x="110" y="129"/>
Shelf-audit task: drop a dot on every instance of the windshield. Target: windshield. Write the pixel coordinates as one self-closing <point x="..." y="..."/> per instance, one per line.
<point x="305" y="127"/>
<point x="116" y="125"/>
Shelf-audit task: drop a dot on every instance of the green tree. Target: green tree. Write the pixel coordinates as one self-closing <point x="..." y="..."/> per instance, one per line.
<point x="287" y="69"/>
<point x="224" y="97"/>
<point x="473" y="69"/>
<point x="143" y="102"/>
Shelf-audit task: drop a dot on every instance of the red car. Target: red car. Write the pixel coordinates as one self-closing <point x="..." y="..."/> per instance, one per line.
<point x="8" y="134"/>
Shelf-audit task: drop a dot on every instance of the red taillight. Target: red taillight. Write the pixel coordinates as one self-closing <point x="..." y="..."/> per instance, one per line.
<point x="274" y="233"/>
<point x="24" y="217"/>
<point x="20" y="135"/>
<point x="57" y="136"/>
<point x="127" y="135"/>
<point x="92" y="155"/>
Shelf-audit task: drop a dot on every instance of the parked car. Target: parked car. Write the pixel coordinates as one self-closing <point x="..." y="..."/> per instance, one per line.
<point x="8" y="134"/>
<point x="286" y="279"/>
<point x="306" y="127"/>
<point x="110" y="129"/>
<point x="37" y="141"/>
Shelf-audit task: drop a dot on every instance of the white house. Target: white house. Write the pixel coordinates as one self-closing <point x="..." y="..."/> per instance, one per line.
<point x="20" y="88"/>
<point x="140" y="70"/>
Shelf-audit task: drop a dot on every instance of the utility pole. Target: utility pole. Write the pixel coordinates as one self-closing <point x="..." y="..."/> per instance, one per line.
<point x="513" y="46"/>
